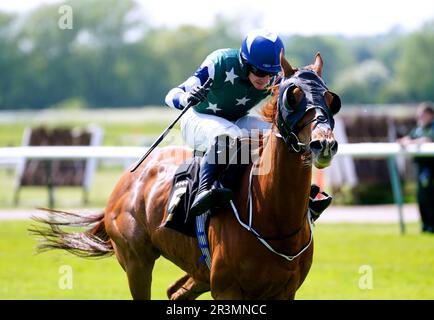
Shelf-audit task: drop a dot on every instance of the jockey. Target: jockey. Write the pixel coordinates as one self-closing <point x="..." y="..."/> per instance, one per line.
<point x="219" y="115"/>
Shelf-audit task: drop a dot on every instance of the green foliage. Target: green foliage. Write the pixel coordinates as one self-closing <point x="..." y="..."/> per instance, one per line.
<point x="71" y="104"/>
<point x="301" y="52"/>
<point x="373" y="193"/>
<point x="363" y="83"/>
<point x="184" y="49"/>
<point x="415" y="68"/>
<point x="11" y="62"/>
<point x="112" y="58"/>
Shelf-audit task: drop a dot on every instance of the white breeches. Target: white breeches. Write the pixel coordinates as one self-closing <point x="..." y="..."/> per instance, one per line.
<point x="199" y="129"/>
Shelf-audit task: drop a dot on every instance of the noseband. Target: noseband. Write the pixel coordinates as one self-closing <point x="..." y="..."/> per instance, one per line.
<point x="288" y="117"/>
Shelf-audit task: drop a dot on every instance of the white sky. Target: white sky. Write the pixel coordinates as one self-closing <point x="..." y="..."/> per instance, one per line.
<point x="307" y="17"/>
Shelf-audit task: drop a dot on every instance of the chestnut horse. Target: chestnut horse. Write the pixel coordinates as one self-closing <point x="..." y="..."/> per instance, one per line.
<point x="270" y="262"/>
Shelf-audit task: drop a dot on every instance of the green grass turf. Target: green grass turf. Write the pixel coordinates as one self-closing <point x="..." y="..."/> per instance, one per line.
<point x="402" y="267"/>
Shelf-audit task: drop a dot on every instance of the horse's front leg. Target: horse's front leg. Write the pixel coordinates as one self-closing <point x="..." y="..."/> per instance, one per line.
<point x="224" y="286"/>
<point x="187" y="288"/>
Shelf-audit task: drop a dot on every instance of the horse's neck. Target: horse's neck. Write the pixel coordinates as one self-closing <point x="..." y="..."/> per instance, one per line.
<point x="283" y="184"/>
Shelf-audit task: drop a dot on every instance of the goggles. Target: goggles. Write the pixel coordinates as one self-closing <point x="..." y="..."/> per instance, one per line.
<point x="260" y="73"/>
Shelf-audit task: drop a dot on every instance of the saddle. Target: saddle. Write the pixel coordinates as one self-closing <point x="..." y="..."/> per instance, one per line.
<point x="185" y="185"/>
<point x="184" y="188"/>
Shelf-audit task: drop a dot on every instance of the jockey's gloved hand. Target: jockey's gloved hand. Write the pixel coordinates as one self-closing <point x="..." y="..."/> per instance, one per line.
<point x="196" y="95"/>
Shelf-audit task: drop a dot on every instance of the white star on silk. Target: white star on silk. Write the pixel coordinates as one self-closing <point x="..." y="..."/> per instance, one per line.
<point x="242" y="101"/>
<point x="213" y="107"/>
<point x="230" y="76"/>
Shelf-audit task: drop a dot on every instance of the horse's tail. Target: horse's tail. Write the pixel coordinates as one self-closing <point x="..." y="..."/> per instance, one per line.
<point x="91" y="243"/>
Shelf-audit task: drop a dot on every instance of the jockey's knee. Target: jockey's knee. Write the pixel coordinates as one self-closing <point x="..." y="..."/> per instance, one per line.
<point x="229" y="135"/>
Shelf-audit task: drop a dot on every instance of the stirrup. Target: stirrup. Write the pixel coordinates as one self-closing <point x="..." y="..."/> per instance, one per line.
<point x="318" y="202"/>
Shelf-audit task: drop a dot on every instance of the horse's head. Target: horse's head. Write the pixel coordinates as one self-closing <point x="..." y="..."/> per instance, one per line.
<point x="305" y="110"/>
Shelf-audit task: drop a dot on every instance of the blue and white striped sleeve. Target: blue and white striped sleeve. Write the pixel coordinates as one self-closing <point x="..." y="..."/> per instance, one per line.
<point x="177" y="97"/>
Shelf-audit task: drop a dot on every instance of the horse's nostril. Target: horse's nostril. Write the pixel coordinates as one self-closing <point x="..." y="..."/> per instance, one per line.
<point x="315" y="145"/>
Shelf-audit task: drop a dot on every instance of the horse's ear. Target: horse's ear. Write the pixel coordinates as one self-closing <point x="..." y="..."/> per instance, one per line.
<point x="286" y="67"/>
<point x="318" y="64"/>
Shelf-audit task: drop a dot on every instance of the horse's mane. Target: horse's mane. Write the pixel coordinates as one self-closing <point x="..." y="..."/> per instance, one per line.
<point x="268" y="110"/>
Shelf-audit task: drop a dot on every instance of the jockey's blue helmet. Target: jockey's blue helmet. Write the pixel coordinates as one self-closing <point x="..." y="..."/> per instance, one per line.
<point x="261" y="48"/>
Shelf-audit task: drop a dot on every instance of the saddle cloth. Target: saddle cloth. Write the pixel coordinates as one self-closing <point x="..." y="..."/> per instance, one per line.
<point x="184" y="188"/>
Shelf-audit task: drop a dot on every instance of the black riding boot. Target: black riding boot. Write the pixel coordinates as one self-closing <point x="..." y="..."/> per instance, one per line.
<point x="213" y="163"/>
<point x="317" y="204"/>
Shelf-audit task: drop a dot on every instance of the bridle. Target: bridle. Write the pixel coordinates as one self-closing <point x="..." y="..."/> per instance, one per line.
<point x="290" y="136"/>
<point x="288" y="118"/>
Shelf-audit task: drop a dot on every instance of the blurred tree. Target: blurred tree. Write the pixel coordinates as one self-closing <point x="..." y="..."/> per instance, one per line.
<point x="363" y="83"/>
<point x="415" y="67"/>
<point x="111" y="57"/>
<point x="387" y="48"/>
<point x="185" y="48"/>
<point x="64" y="63"/>
<point x="47" y="50"/>
<point x="300" y="51"/>
<point x="11" y="60"/>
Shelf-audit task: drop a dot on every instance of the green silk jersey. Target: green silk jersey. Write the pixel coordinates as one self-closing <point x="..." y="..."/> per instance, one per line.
<point x="231" y="94"/>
